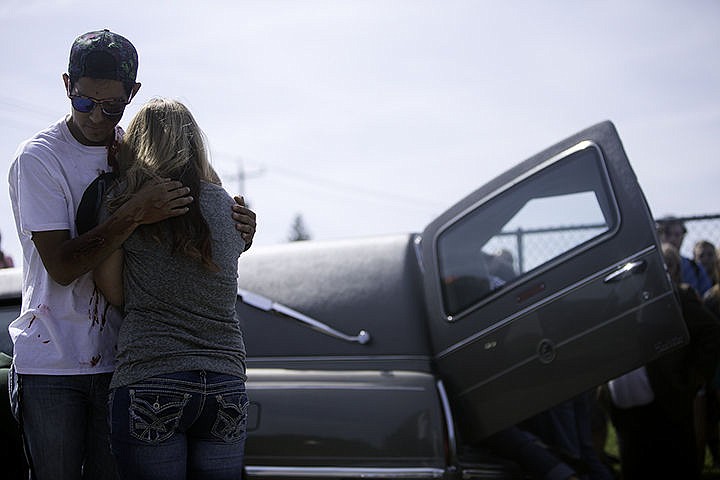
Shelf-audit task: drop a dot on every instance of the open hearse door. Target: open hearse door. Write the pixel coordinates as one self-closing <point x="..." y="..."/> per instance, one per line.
<point x="546" y="282"/>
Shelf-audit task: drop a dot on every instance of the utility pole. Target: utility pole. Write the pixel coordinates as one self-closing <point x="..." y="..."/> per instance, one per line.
<point x="243" y="175"/>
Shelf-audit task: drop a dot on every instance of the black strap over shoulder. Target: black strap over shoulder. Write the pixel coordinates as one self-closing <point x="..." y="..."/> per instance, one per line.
<point x="88" y="211"/>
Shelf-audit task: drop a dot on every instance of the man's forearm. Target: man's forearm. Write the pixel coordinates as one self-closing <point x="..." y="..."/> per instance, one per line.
<point x="67" y="258"/>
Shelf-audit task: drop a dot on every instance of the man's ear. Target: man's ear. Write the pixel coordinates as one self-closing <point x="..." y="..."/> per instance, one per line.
<point x="135" y="89"/>
<point x="66" y="80"/>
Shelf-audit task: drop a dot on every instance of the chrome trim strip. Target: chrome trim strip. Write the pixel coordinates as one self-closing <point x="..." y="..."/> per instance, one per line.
<point x="341" y="358"/>
<point x="565" y="342"/>
<point x="484" y="473"/>
<point x="268" y="305"/>
<point x="294" y="386"/>
<point x="342" y="472"/>
<point x="582" y="145"/>
<point x="561" y="293"/>
<point x="417" y="246"/>
<point x="449" y="423"/>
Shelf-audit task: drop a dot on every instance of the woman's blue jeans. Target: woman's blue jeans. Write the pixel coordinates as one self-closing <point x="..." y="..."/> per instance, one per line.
<point x="185" y="425"/>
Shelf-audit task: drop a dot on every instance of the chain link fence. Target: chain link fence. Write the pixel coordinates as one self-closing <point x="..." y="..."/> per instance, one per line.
<point x="701" y="227"/>
<point x="533" y="247"/>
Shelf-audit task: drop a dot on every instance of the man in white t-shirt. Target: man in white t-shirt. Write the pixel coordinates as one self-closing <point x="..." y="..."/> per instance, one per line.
<point x="64" y="339"/>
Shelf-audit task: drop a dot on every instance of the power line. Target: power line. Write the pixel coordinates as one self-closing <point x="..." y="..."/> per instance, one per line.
<point x="349" y="189"/>
<point x="23" y="106"/>
<point x="242" y="175"/>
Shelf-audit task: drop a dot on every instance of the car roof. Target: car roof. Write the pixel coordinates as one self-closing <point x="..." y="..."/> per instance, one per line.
<point x="372" y="284"/>
<point x="10" y="283"/>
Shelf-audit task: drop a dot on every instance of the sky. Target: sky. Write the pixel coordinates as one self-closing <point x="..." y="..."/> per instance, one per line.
<point x="372" y="117"/>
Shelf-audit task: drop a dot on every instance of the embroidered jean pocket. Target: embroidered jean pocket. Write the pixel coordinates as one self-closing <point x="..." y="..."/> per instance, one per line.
<point x="155" y="414"/>
<point x="231" y="421"/>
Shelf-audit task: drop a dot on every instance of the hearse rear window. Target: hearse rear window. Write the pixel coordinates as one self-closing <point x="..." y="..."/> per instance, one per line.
<point x="559" y="207"/>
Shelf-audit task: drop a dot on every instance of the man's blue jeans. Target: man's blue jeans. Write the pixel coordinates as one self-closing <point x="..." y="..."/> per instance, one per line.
<point x="64" y="420"/>
<point x="185" y="425"/>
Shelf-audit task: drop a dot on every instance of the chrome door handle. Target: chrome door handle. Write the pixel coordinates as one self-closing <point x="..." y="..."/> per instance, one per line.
<point x="627" y="270"/>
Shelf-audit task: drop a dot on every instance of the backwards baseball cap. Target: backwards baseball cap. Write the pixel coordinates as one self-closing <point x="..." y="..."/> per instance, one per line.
<point x="103" y="55"/>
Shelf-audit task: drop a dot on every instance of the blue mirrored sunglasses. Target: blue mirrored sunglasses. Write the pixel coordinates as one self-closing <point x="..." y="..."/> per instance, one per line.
<point x="110" y="108"/>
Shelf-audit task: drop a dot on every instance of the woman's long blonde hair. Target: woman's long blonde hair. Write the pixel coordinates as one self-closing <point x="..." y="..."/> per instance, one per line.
<point x="163" y="140"/>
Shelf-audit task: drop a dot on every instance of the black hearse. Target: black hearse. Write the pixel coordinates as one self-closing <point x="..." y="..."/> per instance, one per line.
<point x="393" y="357"/>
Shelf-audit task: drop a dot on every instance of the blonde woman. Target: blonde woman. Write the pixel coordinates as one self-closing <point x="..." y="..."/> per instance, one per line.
<point x="178" y="401"/>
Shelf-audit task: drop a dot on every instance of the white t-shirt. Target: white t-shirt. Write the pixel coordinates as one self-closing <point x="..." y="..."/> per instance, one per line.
<point x="61" y="330"/>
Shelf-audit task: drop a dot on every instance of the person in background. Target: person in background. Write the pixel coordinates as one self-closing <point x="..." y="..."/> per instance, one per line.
<point x="711" y="297"/>
<point x="567" y="429"/>
<point x="66" y="334"/>
<point x="535" y="459"/>
<point x="6" y="261"/>
<point x="705" y="255"/>
<point x="652" y="407"/>
<point x="708" y="402"/>
<point x="671" y="230"/>
<point x="178" y="401"/>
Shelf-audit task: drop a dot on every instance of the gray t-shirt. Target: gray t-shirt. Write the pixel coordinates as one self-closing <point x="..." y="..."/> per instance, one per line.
<point x="179" y="315"/>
